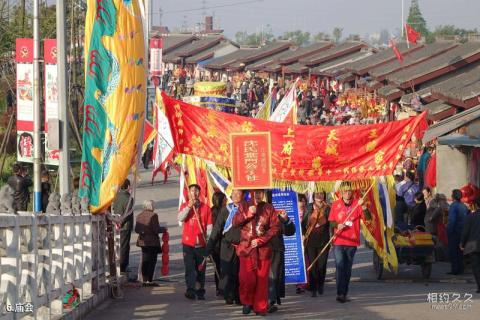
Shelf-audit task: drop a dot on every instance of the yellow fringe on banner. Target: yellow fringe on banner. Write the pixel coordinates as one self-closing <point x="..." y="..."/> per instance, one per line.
<point x="391" y="191"/>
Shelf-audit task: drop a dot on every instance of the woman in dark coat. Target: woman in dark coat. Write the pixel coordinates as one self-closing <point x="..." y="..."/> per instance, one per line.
<point x="435" y="209"/>
<point x="315" y="228"/>
<point x="228" y="237"/>
<point x="219" y="201"/>
<point x="148" y="228"/>
<point x="419" y="210"/>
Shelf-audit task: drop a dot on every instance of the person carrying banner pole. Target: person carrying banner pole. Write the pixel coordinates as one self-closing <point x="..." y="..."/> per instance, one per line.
<point x="203" y="265"/>
<point x="345" y="217"/>
<point x="197" y="226"/>
<point x="259" y="224"/>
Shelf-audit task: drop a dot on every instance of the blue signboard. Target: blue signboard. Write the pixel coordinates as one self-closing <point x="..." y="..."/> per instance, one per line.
<point x="294" y="258"/>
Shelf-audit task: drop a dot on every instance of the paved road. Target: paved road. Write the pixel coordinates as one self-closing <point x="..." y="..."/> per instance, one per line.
<point x="401" y="296"/>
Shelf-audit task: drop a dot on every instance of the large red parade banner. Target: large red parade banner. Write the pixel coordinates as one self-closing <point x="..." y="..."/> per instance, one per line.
<point x="299" y="152"/>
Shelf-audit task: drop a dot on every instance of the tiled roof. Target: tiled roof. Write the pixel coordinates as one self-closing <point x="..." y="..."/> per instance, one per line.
<point x="296" y="68"/>
<point x="263" y="63"/>
<point x="439" y="110"/>
<point x="207" y="54"/>
<point x="199" y="46"/>
<point x="345" y="76"/>
<point x="263" y="53"/>
<point x="435" y="67"/>
<point x="268" y="50"/>
<point x="224" y="61"/>
<point x="389" y="91"/>
<point x="361" y="67"/>
<point x="295" y="55"/>
<point x="173" y="42"/>
<point x="332" y="53"/>
<point x="333" y="66"/>
<point x="461" y="90"/>
<point x="411" y="58"/>
<point x="451" y="123"/>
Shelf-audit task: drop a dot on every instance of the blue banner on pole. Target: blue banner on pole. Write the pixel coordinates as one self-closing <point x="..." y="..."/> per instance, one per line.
<point x="295" y="271"/>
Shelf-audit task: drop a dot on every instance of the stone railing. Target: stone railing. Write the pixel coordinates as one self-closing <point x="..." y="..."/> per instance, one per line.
<point x="43" y="257"/>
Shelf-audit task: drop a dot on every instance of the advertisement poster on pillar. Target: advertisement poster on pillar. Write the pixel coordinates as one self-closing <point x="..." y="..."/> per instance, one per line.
<point x="51" y="95"/>
<point x="156" y="45"/>
<point x="24" y="59"/>
<point x="25" y="146"/>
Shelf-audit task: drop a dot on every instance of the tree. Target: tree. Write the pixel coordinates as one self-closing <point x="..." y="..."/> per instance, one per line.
<point x="451" y="31"/>
<point x="254" y="39"/>
<point x="337" y="34"/>
<point x="353" y="37"/>
<point x="298" y="37"/>
<point x="321" y="36"/>
<point x="415" y="19"/>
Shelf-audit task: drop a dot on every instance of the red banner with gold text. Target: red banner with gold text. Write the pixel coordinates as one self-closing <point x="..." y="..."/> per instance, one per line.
<point x="251" y="160"/>
<point x="299" y="152"/>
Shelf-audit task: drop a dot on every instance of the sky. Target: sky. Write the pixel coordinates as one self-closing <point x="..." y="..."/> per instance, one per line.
<point x="354" y="16"/>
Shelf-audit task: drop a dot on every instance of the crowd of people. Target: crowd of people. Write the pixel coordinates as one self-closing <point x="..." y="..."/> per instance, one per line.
<point x="244" y="239"/>
<point x="316" y="105"/>
<point x="419" y="208"/>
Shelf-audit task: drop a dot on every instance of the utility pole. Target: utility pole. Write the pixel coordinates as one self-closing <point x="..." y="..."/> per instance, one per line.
<point x="64" y="167"/>
<point x="403" y="18"/>
<point x="37" y="148"/>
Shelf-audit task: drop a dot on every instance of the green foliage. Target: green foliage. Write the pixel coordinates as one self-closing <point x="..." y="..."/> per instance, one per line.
<point x="452" y="32"/>
<point x="7" y="168"/>
<point x="337" y="34"/>
<point x="321" y="36"/>
<point x="430" y="38"/>
<point x="353" y="37"/>
<point x="255" y="39"/>
<point x="415" y="19"/>
<point x="298" y="37"/>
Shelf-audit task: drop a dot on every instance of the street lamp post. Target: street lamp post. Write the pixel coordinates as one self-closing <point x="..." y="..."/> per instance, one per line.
<point x="403" y="18"/>
<point x="37" y="152"/>
<point x="64" y="166"/>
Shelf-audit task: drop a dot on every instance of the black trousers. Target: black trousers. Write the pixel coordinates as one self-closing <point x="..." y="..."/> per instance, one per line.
<point x="476" y="267"/>
<point x="455" y="254"/>
<point x="216" y="260"/>
<point x="318" y="272"/>
<point x="276" y="278"/>
<point x="149" y="261"/>
<point x="125" y="235"/>
<point x="192" y="259"/>
<point x="229" y="278"/>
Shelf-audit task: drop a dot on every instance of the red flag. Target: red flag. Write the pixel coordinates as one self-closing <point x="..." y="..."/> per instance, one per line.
<point x="412" y="34"/>
<point x="149" y="133"/>
<point x="397" y="52"/>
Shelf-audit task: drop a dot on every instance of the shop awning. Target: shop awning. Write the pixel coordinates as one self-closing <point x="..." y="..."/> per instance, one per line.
<point x="456" y="139"/>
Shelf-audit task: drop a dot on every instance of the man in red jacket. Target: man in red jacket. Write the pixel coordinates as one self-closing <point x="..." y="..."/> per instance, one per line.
<point x="344" y="217"/>
<point x="259" y="224"/>
<point x="197" y="226"/>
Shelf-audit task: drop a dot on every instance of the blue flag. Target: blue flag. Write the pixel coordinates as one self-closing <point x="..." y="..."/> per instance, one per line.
<point x="232" y="211"/>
